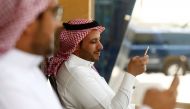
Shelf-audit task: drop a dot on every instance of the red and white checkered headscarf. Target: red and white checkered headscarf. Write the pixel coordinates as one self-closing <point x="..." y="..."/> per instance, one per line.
<point x="15" y="16"/>
<point x="69" y="39"/>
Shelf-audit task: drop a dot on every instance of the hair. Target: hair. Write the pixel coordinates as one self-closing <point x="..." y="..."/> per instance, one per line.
<point x="80" y="43"/>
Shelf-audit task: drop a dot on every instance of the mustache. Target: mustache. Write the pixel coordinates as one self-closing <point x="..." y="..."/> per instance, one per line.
<point x="98" y="51"/>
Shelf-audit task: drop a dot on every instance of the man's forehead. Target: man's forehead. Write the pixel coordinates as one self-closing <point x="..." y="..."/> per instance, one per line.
<point x="94" y="34"/>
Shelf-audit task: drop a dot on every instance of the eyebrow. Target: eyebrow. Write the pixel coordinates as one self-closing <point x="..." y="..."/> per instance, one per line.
<point x="96" y="39"/>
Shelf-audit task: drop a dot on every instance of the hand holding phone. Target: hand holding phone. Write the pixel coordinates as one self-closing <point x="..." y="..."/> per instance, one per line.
<point x="146" y="51"/>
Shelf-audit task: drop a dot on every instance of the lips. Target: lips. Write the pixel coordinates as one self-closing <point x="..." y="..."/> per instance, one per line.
<point x="97" y="53"/>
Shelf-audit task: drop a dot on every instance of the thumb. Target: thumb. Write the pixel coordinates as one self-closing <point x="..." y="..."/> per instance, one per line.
<point x="174" y="84"/>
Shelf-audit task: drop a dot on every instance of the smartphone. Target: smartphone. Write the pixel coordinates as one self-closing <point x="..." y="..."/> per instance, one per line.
<point x="146" y="51"/>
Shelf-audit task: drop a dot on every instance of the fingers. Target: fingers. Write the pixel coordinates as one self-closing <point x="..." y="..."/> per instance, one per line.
<point x="174" y="84"/>
<point x="145" y="59"/>
<point x="158" y="99"/>
<point x="140" y="60"/>
<point x="137" y="65"/>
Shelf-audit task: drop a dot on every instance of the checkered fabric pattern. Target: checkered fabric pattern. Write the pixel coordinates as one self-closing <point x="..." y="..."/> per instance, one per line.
<point x="15" y="16"/>
<point x="69" y="39"/>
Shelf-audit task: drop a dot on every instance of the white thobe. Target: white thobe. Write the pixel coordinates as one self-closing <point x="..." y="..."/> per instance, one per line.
<point x="23" y="85"/>
<point x="81" y="87"/>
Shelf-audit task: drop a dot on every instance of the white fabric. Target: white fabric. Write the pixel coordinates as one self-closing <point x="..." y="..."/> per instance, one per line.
<point x="23" y="85"/>
<point x="81" y="87"/>
<point x="145" y="107"/>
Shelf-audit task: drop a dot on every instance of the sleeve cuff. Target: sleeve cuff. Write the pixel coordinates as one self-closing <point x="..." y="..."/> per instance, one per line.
<point x="128" y="81"/>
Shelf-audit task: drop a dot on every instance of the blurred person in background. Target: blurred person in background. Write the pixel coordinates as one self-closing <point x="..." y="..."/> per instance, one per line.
<point x="26" y="28"/>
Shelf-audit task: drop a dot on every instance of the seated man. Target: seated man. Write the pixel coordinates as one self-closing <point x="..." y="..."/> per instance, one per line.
<point x="78" y="83"/>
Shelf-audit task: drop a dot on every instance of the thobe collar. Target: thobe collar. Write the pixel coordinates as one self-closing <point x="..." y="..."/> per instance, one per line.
<point x="77" y="61"/>
<point x="21" y="58"/>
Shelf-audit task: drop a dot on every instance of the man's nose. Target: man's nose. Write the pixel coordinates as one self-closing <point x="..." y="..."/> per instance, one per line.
<point x="100" y="46"/>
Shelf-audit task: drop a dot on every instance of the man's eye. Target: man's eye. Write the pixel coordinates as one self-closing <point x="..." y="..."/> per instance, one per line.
<point x="93" y="41"/>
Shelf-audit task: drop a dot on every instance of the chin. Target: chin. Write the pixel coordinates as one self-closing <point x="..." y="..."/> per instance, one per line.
<point x="96" y="59"/>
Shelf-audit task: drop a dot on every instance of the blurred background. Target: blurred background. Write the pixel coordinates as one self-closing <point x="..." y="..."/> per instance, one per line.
<point x="131" y="26"/>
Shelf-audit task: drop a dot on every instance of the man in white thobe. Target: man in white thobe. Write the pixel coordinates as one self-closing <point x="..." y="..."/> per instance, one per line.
<point x="79" y="84"/>
<point x="26" y="28"/>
